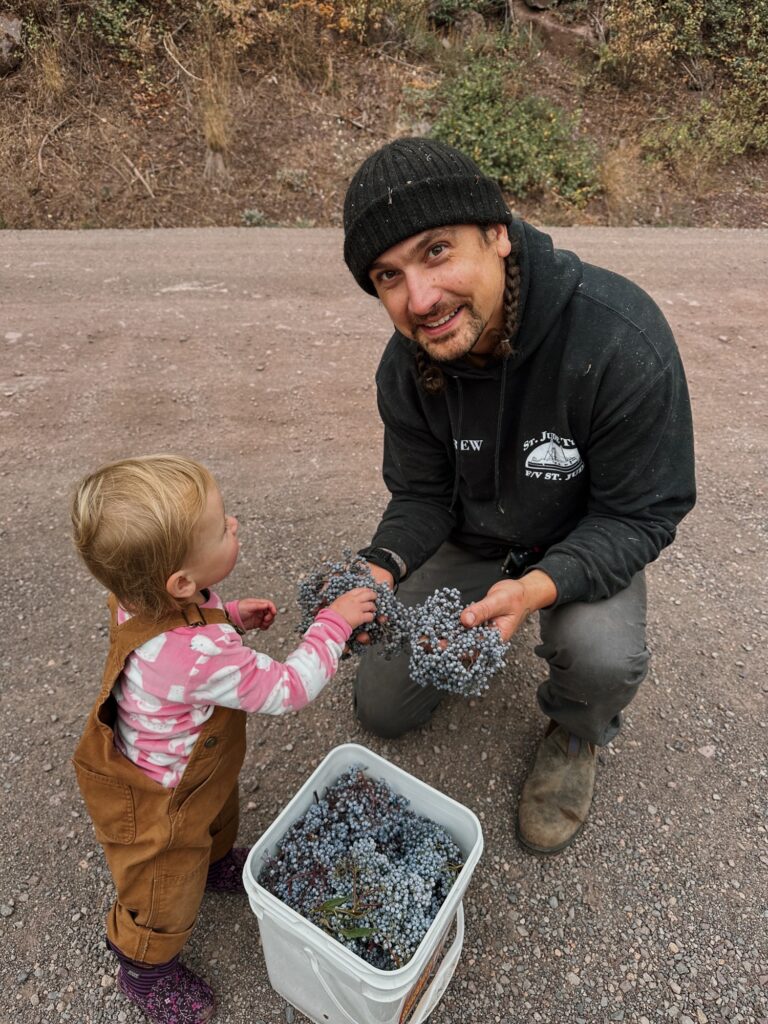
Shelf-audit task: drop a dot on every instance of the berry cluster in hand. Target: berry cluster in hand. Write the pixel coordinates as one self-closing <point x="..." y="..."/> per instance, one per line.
<point x="444" y="653"/>
<point x="365" y="869"/>
<point x="332" y="579"/>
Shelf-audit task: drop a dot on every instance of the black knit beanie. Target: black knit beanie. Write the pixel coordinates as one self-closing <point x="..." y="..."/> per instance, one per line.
<point x="409" y="186"/>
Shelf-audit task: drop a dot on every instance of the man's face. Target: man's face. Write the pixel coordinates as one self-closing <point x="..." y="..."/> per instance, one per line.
<point x="444" y="288"/>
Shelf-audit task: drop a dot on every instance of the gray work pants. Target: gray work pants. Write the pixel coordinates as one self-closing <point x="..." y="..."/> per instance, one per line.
<point x="596" y="655"/>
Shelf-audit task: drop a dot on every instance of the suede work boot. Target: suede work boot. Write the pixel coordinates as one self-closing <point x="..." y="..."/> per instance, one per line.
<point x="556" y="796"/>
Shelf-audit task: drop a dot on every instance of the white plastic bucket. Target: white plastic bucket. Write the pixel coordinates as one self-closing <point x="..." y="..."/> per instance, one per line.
<point x="323" y="979"/>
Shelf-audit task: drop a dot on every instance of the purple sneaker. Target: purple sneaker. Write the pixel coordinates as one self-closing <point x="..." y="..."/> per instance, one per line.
<point x="179" y="997"/>
<point x="226" y="874"/>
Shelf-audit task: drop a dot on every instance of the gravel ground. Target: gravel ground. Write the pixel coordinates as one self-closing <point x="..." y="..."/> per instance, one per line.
<point x="253" y="351"/>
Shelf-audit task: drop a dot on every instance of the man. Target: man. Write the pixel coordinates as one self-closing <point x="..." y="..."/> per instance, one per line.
<point x="538" y="451"/>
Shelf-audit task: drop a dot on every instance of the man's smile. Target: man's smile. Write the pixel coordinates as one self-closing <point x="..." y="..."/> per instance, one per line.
<point x="442" y="324"/>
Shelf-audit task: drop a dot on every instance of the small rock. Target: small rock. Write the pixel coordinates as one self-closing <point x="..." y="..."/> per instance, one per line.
<point x="10" y="50"/>
<point x="107" y="981"/>
<point x="572" y="979"/>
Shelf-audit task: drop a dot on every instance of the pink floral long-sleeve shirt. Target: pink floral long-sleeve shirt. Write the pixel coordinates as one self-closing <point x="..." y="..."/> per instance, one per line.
<point x="171" y="684"/>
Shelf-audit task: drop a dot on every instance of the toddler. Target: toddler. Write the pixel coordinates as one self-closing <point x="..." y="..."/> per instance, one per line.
<point x="158" y="761"/>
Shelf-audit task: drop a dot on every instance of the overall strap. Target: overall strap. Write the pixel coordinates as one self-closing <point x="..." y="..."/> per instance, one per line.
<point x="126" y="636"/>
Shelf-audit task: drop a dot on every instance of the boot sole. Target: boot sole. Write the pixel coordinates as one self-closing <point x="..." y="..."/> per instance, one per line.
<point x="544" y="851"/>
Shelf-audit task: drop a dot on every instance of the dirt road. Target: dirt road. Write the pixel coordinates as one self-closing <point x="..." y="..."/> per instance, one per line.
<point x="254" y="351"/>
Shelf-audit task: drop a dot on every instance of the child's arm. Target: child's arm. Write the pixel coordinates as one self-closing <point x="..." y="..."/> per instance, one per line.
<point x="229" y="674"/>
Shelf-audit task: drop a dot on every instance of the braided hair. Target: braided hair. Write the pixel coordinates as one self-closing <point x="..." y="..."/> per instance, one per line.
<point x="430" y="374"/>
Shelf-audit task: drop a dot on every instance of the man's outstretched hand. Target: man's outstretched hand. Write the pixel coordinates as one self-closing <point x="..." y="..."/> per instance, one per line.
<point x="509" y="602"/>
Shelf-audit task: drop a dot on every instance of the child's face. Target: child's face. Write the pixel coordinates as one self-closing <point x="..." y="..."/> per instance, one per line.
<point x="215" y="546"/>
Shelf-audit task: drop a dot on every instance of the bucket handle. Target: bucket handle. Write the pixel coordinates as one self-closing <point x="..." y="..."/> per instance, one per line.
<point x="439" y="983"/>
<point x="436" y="988"/>
<point x="324" y="984"/>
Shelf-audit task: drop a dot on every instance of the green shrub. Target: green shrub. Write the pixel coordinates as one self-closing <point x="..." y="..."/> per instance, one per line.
<point x="640" y="44"/>
<point x="710" y="134"/>
<point x="255" y="218"/>
<point x="646" y="37"/>
<point x="527" y="143"/>
<point x="722" y="43"/>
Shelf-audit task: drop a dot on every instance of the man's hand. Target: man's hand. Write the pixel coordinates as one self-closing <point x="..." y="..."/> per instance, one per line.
<point x="256" y="612"/>
<point x="381" y="575"/>
<point x="509" y="602"/>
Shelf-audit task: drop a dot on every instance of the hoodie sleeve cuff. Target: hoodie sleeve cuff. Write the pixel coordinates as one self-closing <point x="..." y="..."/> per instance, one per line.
<point x="569" y="578"/>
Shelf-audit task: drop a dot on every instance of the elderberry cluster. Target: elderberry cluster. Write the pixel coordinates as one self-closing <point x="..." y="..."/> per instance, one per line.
<point x="446" y="654"/>
<point x="365" y="869"/>
<point x="332" y="579"/>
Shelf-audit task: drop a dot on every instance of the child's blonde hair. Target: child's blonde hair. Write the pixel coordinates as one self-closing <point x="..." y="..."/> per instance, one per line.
<point x="133" y="522"/>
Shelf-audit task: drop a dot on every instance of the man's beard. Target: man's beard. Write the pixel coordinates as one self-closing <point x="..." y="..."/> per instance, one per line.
<point x="453" y="347"/>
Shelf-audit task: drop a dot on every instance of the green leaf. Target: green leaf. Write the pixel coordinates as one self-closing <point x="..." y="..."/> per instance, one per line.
<point x="356" y="933"/>
<point x="329" y="905"/>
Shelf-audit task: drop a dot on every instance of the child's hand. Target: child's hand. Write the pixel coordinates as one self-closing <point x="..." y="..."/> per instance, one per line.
<point x="256" y="612"/>
<point x="356" y="606"/>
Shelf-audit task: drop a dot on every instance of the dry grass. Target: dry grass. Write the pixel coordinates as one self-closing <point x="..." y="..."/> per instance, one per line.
<point x="296" y="41"/>
<point x="696" y="168"/>
<point x="51" y="78"/>
<point x="625" y="184"/>
<point x="217" y="62"/>
<point x="170" y="137"/>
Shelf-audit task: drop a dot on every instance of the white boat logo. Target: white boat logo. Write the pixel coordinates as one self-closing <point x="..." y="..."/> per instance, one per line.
<point x="551" y="457"/>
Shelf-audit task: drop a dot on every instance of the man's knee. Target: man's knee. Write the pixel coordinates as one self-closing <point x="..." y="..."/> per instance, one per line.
<point x="599" y="661"/>
<point x="378" y="720"/>
<point x="387" y="702"/>
<point x="599" y="646"/>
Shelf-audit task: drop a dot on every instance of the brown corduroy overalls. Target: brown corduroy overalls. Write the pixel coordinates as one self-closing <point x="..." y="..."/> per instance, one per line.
<point x="158" y="841"/>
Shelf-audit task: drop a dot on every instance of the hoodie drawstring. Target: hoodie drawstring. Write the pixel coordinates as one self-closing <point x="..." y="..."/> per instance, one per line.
<point x="457" y="470"/>
<point x="497" y="452"/>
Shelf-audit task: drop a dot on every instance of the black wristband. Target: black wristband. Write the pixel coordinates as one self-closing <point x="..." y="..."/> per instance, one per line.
<point x="384" y="560"/>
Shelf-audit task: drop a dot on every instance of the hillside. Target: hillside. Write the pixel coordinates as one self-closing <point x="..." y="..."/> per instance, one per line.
<point x="131" y="114"/>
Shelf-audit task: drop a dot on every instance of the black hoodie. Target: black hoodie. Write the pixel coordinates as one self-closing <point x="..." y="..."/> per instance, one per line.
<point x="580" y="444"/>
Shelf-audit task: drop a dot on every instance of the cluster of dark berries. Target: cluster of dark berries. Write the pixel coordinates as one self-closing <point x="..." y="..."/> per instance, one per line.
<point x="332" y="579"/>
<point x="365" y="869"/>
<point x="444" y="653"/>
